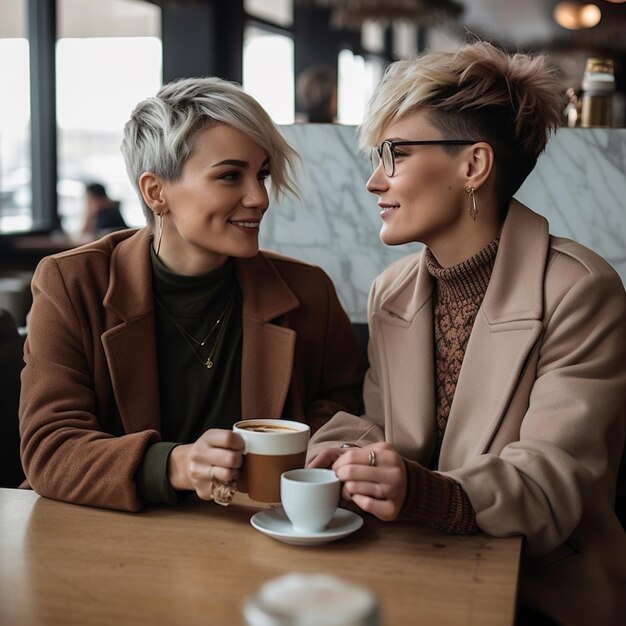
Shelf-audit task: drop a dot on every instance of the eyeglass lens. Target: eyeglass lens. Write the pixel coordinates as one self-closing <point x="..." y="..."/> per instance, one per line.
<point x="383" y="153"/>
<point x="388" y="158"/>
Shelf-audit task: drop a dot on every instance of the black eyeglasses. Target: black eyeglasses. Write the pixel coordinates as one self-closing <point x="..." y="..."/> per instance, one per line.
<point x="385" y="153"/>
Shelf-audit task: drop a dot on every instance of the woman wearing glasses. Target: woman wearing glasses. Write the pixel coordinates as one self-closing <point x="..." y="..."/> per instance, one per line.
<point x="495" y="398"/>
<point x="145" y="347"/>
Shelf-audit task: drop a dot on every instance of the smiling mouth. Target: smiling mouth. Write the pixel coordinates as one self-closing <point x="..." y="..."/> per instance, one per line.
<point x="386" y="211"/>
<point x="247" y="225"/>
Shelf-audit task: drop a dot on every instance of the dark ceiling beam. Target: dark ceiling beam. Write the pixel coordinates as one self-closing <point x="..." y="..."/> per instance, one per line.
<point x="315" y="42"/>
<point x="202" y="38"/>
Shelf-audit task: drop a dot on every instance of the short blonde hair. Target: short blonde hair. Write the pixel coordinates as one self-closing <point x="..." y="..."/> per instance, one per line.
<point x="160" y="135"/>
<point x="511" y="101"/>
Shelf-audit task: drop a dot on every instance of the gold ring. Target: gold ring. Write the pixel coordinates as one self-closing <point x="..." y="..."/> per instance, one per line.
<point x="371" y="458"/>
<point x="222" y="493"/>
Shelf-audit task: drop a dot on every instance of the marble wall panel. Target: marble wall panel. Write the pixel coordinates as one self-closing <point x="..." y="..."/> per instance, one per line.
<point x="579" y="185"/>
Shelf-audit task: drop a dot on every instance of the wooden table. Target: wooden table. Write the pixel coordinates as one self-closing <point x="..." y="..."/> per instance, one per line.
<point x="196" y="563"/>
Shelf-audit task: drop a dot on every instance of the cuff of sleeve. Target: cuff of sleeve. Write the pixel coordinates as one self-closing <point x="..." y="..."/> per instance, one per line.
<point x="428" y="495"/>
<point x="437" y="500"/>
<point x="152" y="481"/>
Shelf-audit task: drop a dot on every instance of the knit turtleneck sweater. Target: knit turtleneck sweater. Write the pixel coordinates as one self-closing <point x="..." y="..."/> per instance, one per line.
<point x="458" y="294"/>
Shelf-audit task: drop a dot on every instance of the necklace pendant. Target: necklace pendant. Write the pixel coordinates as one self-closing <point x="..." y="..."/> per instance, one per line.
<point x="208" y="363"/>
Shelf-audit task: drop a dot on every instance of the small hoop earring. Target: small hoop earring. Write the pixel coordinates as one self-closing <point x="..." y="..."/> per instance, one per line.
<point x="472" y="207"/>
<point x="159" y="217"/>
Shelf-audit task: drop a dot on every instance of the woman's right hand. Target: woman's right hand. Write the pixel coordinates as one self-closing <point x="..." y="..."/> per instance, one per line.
<point x="214" y="458"/>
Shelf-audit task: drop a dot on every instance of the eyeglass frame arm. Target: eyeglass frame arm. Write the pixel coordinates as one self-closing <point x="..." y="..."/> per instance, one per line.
<point x="427" y="142"/>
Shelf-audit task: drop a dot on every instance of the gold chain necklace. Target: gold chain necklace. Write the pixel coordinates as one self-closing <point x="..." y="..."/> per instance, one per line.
<point x="188" y="337"/>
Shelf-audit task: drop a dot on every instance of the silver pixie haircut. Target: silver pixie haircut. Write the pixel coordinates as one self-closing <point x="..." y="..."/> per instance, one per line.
<point x="159" y="136"/>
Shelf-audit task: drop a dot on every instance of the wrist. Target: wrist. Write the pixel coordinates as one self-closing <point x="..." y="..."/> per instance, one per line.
<point x="177" y="465"/>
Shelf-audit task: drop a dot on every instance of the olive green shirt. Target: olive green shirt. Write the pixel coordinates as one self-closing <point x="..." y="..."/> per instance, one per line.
<point x="193" y="398"/>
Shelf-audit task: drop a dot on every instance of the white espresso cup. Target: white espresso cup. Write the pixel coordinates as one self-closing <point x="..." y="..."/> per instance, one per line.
<point x="310" y="498"/>
<point x="272" y="446"/>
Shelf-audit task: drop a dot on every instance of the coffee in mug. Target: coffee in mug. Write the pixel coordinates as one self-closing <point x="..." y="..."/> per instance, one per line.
<point x="272" y="446"/>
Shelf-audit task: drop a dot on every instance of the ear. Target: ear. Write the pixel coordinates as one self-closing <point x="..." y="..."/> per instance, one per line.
<point x="151" y="186"/>
<point x="479" y="164"/>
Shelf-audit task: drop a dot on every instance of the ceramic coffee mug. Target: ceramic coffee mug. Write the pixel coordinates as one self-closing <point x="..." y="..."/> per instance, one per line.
<point x="310" y="498"/>
<point x="272" y="446"/>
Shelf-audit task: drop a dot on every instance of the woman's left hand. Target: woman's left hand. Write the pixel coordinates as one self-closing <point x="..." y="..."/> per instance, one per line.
<point x="374" y="478"/>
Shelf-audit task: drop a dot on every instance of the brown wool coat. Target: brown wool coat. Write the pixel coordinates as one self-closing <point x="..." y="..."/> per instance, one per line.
<point x="90" y="399"/>
<point x="537" y="424"/>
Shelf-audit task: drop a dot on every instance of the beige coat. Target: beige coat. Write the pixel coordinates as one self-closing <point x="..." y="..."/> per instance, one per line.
<point x="537" y="425"/>
<point x="90" y="397"/>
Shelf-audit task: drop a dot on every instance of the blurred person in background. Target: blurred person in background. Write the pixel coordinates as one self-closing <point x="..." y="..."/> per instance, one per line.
<point x="101" y="213"/>
<point x="316" y="94"/>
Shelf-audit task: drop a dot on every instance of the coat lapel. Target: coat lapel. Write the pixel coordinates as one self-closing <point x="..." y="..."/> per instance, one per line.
<point x="405" y="328"/>
<point x="129" y="345"/>
<point x="268" y="348"/>
<point x="507" y="327"/>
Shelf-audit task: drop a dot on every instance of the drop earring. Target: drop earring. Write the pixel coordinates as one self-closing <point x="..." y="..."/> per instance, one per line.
<point x="472" y="207"/>
<point x="159" y="217"/>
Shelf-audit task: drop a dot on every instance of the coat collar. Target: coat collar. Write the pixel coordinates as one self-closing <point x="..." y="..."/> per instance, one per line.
<point x="507" y="327"/>
<point x="408" y="294"/>
<point x="515" y="288"/>
<point x="129" y="295"/>
<point x="266" y="296"/>
<point x="268" y="348"/>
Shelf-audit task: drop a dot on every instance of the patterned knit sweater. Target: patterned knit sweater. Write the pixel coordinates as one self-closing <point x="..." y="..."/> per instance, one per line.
<point x="458" y="294"/>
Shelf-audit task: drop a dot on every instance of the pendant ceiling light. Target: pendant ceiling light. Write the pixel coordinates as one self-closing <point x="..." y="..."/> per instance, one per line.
<point x="574" y="16"/>
<point x="352" y="13"/>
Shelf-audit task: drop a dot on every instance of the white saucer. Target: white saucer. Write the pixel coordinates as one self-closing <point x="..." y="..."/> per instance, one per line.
<point x="274" y="523"/>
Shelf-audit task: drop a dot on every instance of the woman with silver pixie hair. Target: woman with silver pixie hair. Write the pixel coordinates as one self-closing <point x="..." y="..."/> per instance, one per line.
<point x="145" y="347"/>
<point x="496" y="394"/>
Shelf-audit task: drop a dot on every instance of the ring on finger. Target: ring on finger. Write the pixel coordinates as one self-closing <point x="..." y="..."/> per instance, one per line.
<point x="371" y="459"/>
<point x="223" y="492"/>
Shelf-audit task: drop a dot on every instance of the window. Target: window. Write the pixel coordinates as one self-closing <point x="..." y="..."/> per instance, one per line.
<point x="357" y="79"/>
<point x="15" y="164"/>
<point x="108" y="59"/>
<point x="373" y="37"/>
<point x="279" y="12"/>
<point x="405" y="40"/>
<point x="268" y="72"/>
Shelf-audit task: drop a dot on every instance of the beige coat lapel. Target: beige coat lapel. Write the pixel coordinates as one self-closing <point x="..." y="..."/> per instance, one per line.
<point x="507" y="327"/>
<point x="129" y="345"/>
<point x="268" y="349"/>
<point x="405" y="328"/>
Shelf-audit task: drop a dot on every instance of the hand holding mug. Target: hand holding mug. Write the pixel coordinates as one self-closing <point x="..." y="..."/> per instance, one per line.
<point x="374" y="478"/>
<point x="210" y="466"/>
<point x="326" y="457"/>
